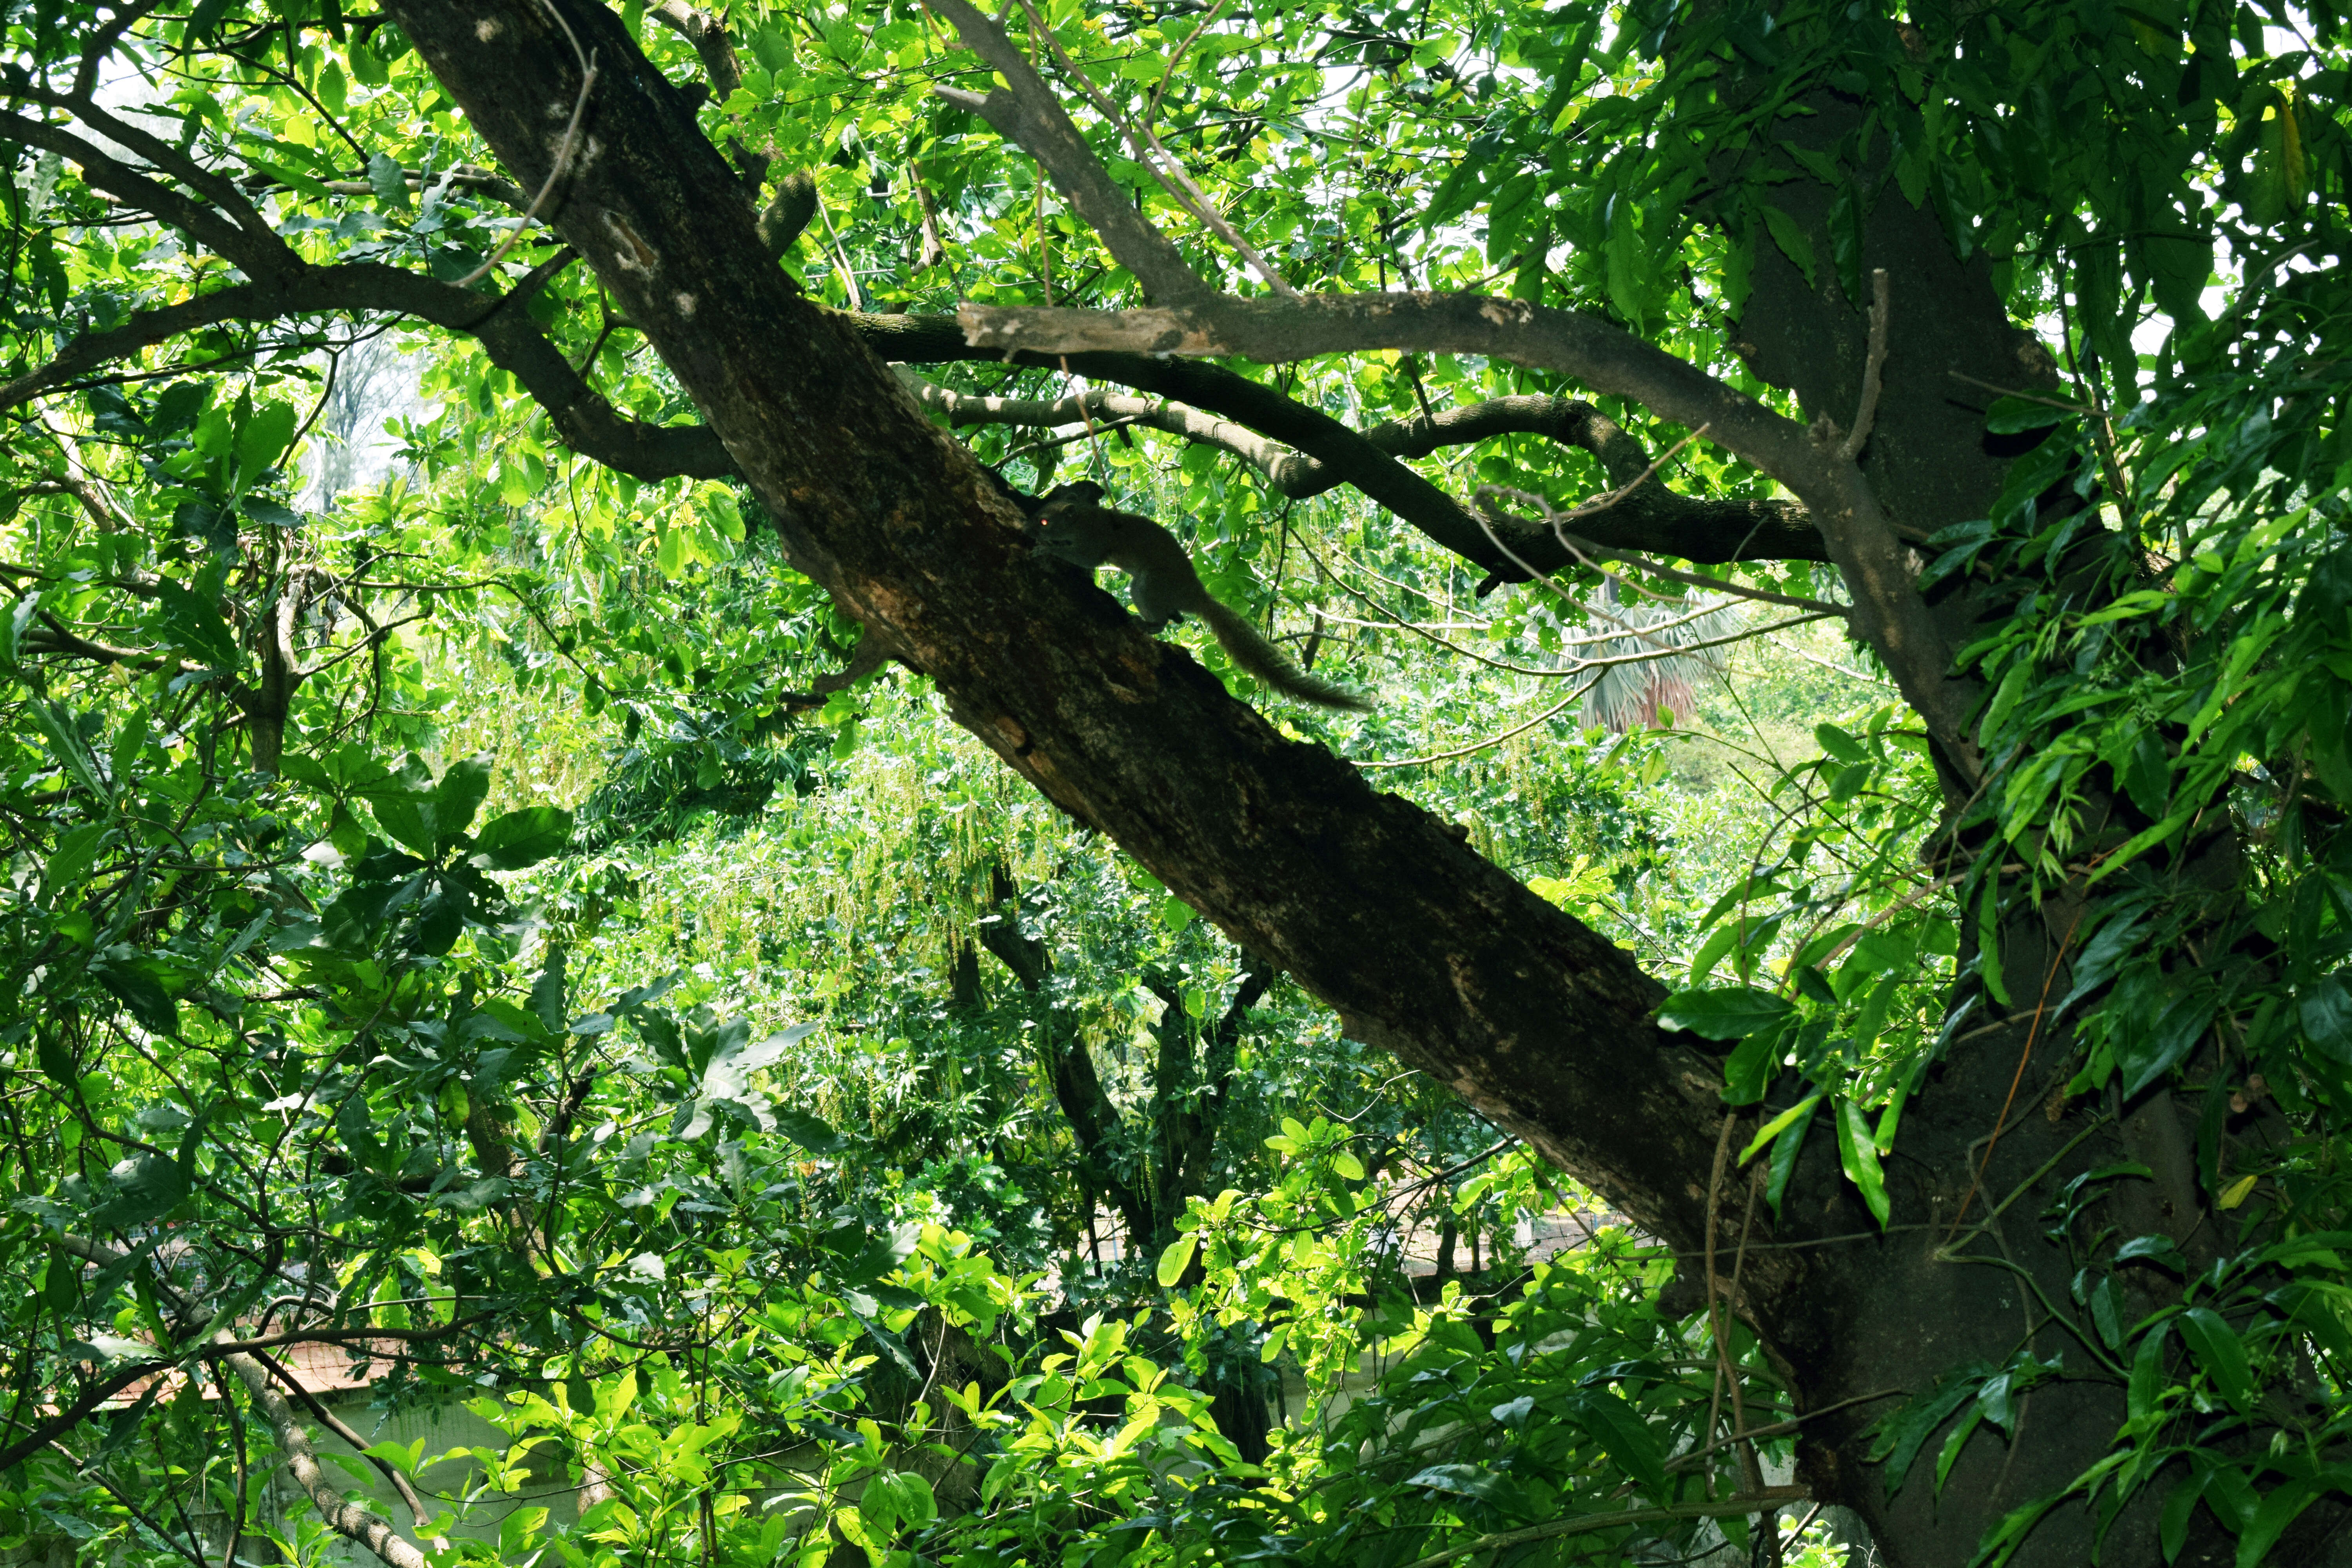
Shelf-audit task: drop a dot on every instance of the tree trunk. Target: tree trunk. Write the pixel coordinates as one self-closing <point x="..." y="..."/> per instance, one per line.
<point x="1372" y="904"/>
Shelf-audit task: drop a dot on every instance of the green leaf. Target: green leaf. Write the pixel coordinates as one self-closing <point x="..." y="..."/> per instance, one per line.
<point x="1859" y="1156"/>
<point x="146" y="1187"/>
<point x="1176" y="1257"/>
<point x="1465" y="1480"/>
<point x="2270" y="1521"/>
<point x="516" y="1532"/>
<point x="1624" y="265"/>
<point x="2325" y="1010"/>
<point x="408" y="819"/>
<point x="2172" y="1528"/>
<point x="391" y="187"/>
<point x="2220" y="1352"/>
<point x="59" y="727"/>
<point x="138" y="983"/>
<point x="191" y="622"/>
<point x="2143" y="1057"/>
<point x="2156" y="1250"/>
<point x="1618" y="1428"/>
<point x="286" y="174"/>
<point x="524" y="838"/>
<point x="1727" y="1015"/>
<point x="1790" y="1118"/>
<point x="2009" y="415"/>
<point x="263" y="438"/>
<point x="1747" y="1074"/>
<point x="1790" y="239"/>
<point x="458" y="796"/>
<point x="1783" y="1163"/>
<point x="1902" y="1435"/>
<point x="2104" y="1315"/>
<point x="1958" y="1440"/>
<point x="270" y="514"/>
<point x="1837" y="743"/>
<point x="70" y="861"/>
<point x="807" y="1131"/>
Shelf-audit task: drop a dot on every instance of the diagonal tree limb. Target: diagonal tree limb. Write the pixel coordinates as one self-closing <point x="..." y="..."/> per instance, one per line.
<point x="708" y="34"/>
<point x="1153" y="155"/>
<point x="507" y="335"/>
<point x="335" y="1424"/>
<point x="1366" y="901"/>
<point x="362" y="1526"/>
<point x="1655" y="519"/>
<point x="1888" y="611"/>
<point x="1030" y="115"/>
<point x="1239" y="414"/>
<point x="348" y="1520"/>
<point x="85" y="1404"/>
<point x="102" y="171"/>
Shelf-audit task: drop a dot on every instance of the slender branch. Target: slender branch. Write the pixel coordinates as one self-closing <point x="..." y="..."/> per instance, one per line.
<point x="85" y="1405"/>
<point x="1888" y="610"/>
<point x="1874" y="361"/>
<point x="258" y="237"/>
<point x="1216" y="407"/>
<point x="1157" y="161"/>
<point x="1562" y="706"/>
<point x="230" y="237"/>
<point x="1582" y="549"/>
<point x="354" y="1523"/>
<point x="1028" y="114"/>
<point x="708" y="34"/>
<point x="510" y="338"/>
<point x="1582" y="1524"/>
<point x="332" y="1423"/>
<point x="562" y="164"/>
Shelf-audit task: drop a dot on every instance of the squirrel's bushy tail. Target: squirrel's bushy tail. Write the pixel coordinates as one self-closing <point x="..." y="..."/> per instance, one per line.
<point x="1260" y="658"/>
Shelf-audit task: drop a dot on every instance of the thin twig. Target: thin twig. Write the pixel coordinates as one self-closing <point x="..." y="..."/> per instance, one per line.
<point x="840" y="254"/>
<point x="1565" y="704"/>
<point x="1871" y="364"/>
<point x="1585" y="549"/>
<point x="1713" y="1298"/>
<point x="1726" y="1508"/>
<point x="1159" y="87"/>
<point x="562" y="155"/>
<point x="1172" y="177"/>
<point x="2032" y="1033"/>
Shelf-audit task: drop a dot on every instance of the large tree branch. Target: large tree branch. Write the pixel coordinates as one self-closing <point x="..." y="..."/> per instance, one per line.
<point x="1652" y="519"/>
<point x="1030" y="115"/>
<point x="1370" y="902"/>
<point x="708" y="34"/>
<point x="507" y="333"/>
<point x="243" y="236"/>
<point x="332" y="1423"/>
<point x="348" y="1520"/>
<point x="1889" y="612"/>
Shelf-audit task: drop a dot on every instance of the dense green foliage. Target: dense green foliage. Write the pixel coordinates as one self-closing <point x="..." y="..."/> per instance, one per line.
<point x="448" y="919"/>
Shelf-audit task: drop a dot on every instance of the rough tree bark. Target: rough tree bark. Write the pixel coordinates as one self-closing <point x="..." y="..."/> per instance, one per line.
<point x="1373" y="905"/>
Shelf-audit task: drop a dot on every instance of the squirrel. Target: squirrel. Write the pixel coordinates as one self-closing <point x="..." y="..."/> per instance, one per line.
<point x="1072" y="524"/>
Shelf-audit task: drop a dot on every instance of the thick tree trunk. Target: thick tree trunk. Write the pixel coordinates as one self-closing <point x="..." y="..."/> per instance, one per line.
<point x="1978" y="1286"/>
<point x="1372" y="904"/>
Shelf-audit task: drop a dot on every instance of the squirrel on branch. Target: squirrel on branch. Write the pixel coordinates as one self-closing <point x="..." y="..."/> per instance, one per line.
<point x="1073" y="525"/>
